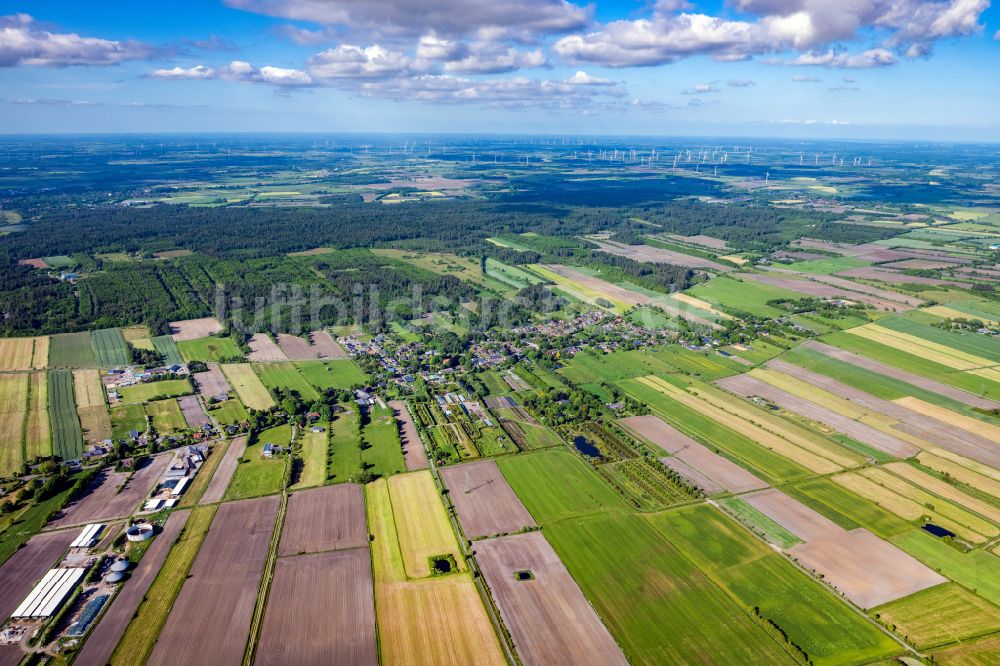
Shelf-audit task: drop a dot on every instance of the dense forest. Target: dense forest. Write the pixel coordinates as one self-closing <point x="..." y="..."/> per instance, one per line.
<point x="241" y="253"/>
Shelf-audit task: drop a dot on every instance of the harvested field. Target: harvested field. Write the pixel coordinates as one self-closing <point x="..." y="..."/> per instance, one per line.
<point x="224" y="472"/>
<point x="984" y="652"/>
<point x="192" y="329"/>
<point x="783" y="439"/>
<point x="26" y="567"/>
<point x="88" y="388"/>
<point x="103" y="500"/>
<point x="590" y="289"/>
<point x="944" y="489"/>
<point x="422" y="525"/>
<point x="811" y="287"/>
<point x="656" y="255"/>
<point x="13" y="406"/>
<point x="752" y="386"/>
<point x="483" y="500"/>
<point x="194" y="415"/>
<point x="413" y="448"/>
<point x="264" y="348"/>
<point x="895" y="277"/>
<point x="549" y="618"/>
<point x="969" y="424"/>
<point x="918" y="264"/>
<point x="40" y="358"/>
<point x="866" y="569"/>
<point x="16" y="353"/>
<point x="212" y="383"/>
<point x="942" y="614"/>
<point x="437" y="620"/>
<point x="210" y="619"/>
<point x="922" y="423"/>
<point x="253" y="394"/>
<point x="311" y="594"/>
<point x="105" y="637"/>
<point x="321" y="519"/>
<point x="319" y="345"/>
<point x="37" y="436"/>
<point x="945" y="390"/>
<point x="706" y="469"/>
<point x="966" y="471"/>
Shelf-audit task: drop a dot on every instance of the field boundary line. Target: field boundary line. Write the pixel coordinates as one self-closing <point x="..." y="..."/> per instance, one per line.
<point x="506" y="641"/>
<point x="264" y="590"/>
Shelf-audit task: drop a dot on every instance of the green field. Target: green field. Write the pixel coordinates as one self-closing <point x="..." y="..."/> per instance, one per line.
<point x="555" y="485"/>
<point x="255" y="475"/>
<point x="344" y="455"/>
<point x="284" y="375"/>
<point x="67" y="438"/>
<point x="733" y="296"/>
<point x="331" y="374"/>
<point x="596" y="367"/>
<point x="754" y="575"/>
<point x="125" y="418"/>
<point x="914" y="364"/>
<point x="656" y="603"/>
<point x="71" y="350"/>
<point x="761" y="524"/>
<point x="705" y="365"/>
<point x="847" y="509"/>
<point x="970" y="343"/>
<point x="877" y="384"/>
<point x="110" y="349"/>
<point x="167" y="388"/>
<point x="167" y="416"/>
<point x="827" y="266"/>
<point x="140" y="636"/>
<point x="230" y="411"/>
<point x="761" y="461"/>
<point x="213" y="348"/>
<point x="167" y="348"/>
<point x="977" y="570"/>
<point x="381" y="452"/>
<point x="313" y="457"/>
<point x="942" y="614"/>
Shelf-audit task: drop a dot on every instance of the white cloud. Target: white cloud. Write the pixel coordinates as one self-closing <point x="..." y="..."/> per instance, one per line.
<point x="431" y="47"/>
<point x="798" y="78"/>
<point x="22" y="43"/>
<point x="996" y="36"/>
<point x="354" y="62"/>
<point x="740" y="83"/>
<point x="671" y="33"/>
<point x="416" y="17"/>
<point x="701" y="89"/>
<point x="495" y="59"/>
<point x="871" y="58"/>
<point x="196" y="72"/>
<point x="512" y="92"/>
<point x="581" y="78"/>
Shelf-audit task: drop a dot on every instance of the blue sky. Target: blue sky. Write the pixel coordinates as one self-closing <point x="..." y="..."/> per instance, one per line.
<point x="904" y="69"/>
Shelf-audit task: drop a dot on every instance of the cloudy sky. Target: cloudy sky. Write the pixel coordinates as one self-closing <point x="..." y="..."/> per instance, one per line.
<point x="907" y="69"/>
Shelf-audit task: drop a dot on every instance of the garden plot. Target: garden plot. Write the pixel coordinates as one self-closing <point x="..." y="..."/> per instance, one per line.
<point x="264" y="348"/>
<point x="212" y="383"/>
<point x="194" y="415"/>
<point x="413" y="447"/>
<point x="224" y="472"/>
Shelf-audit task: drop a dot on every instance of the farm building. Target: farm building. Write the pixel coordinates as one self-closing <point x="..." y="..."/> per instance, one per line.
<point x="88" y="537"/>
<point x="49" y="594"/>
